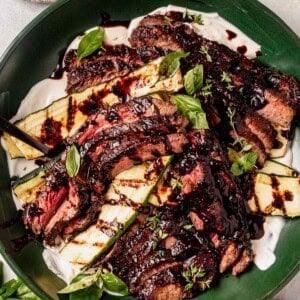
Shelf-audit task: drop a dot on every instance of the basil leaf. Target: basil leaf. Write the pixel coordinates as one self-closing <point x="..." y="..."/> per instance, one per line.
<point x="198" y="119"/>
<point x="24" y="292"/>
<point x="114" y="284"/>
<point x="9" y="288"/>
<point x="193" y="80"/>
<point x="92" y="292"/>
<point x="81" y="281"/>
<point x="236" y="169"/>
<point x="169" y="65"/>
<point x="90" y="43"/>
<point x="73" y="161"/>
<point x="192" y="109"/>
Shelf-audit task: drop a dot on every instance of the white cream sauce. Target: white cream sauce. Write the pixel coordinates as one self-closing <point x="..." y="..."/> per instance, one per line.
<point x="48" y="90"/>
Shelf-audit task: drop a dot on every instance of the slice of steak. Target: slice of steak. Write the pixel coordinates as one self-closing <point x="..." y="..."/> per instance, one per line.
<point x="78" y="198"/>
<point x="254" y="141"/>
<point x="153" y="30"/>
<point x="36" y="215"/>
<point x="120" y="155"/>
<point x="277" y="110"/>
<point x="104" y="65"/>
<point x="262" y="128"/>
<point x="87" y="217"/>
<point x="48" y="199"/>
<point x="149" y="126"/>
<point x="123" y="113"/>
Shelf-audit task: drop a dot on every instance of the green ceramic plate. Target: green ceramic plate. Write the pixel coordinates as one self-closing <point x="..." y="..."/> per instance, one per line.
<point x="34" y="54"/>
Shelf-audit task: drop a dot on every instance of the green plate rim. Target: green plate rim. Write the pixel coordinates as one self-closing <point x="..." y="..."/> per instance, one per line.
<point x="3" y="59"/>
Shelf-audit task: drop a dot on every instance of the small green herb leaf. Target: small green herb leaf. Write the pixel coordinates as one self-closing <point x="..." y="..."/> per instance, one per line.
<point x="169" y="65"/>
<point x="248" y="160"/>
<point x="206" y="89"/>
<point x="9" y="288"/>
<point x="175" y="183"/>
<point x="193" y="80"/>
<point x="204" y="50"/>
<point x="73" y="161"/>
<point x="81" y="281"/>
<point x="192" y="18"/>
<point x="114" y="284"/>
<point x="188" y="226"/>
<point x="244" y="163"/>
<point x="192" y="109"/>
<point x="167" y="20"/>
<point x="247" y="147"/>
<point x="23" y="292"/>
<point x="188" y="286"/>
<point x="90" y="43"/>
<point x="162" y="235"/>
<point x="225" y="77"/>
<point x="153" y="221"/>
<point x="92" y="292"/>
<point x="192" y="275"/>
<point x="198" y="19"/>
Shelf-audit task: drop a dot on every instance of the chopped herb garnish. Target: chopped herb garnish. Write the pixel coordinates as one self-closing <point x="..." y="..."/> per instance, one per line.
<point x="193" y="80"/>
<point x="175" y="183"/>
<point x="206" y="89"/>
<point x="90" y="43"/>
<point x="188" y="226"/>
<point x="204" y="50"/>
<point x="226" y="78"/>
<point x="244" y="160"/>
<point x="162" y="235"/>
<point x="196" y="18"/>
<point x="192" y="275"/>
<point x="153" y="221"/>
<point x="167" y="20"/>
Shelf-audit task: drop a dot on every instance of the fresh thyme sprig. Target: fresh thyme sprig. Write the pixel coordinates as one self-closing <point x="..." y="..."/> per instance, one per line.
<point x="194" y="274"/>
<point x="244" y="160"/>
<point x="226" y="78"/>
<point x="204" y="50"/>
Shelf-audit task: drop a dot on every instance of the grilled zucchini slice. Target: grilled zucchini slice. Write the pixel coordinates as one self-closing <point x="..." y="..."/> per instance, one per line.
<point x="138" y="83"/>
<point x="128" y="191"/>
<point x="276" y="190"/>
<point x="26" y="187"/>
<point x="276" y="195"/>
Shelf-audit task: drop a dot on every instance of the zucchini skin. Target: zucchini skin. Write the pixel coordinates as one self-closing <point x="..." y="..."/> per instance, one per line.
<point x="274" y="167"/>
<point x="276" y="191"/>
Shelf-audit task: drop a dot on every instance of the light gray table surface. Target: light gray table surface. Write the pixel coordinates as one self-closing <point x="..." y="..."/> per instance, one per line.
<point x="16" y="14"/>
